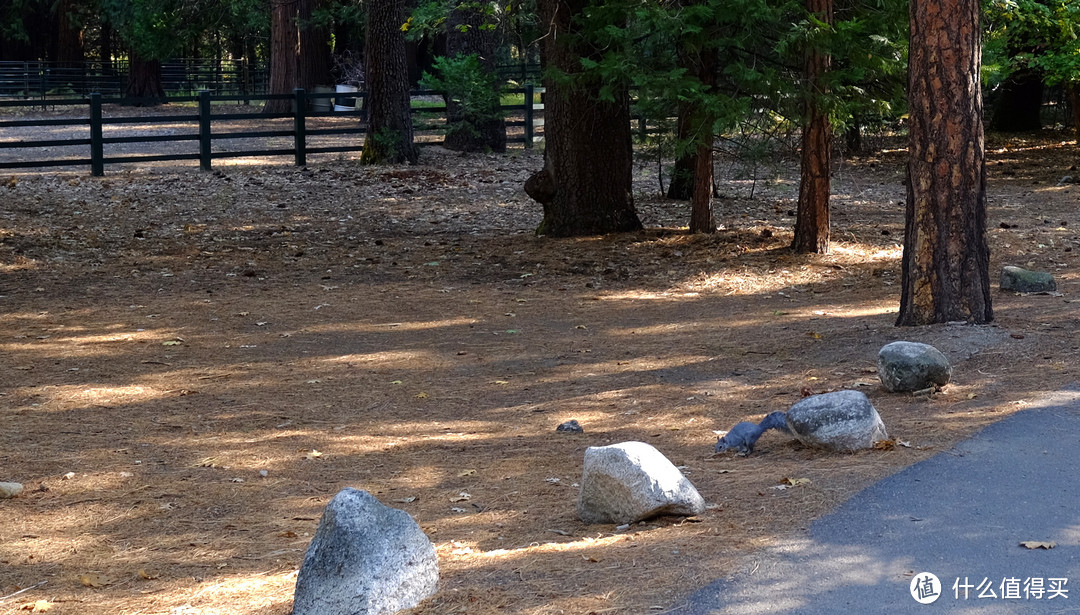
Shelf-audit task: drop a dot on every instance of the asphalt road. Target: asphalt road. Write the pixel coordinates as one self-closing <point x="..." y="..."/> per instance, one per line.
<point x="960" y="515"/>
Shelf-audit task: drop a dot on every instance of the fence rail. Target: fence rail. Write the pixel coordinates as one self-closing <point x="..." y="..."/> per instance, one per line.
<point x="241" y="79"/>
<point x="43" y="80"/>
<point x="270" y="130"/>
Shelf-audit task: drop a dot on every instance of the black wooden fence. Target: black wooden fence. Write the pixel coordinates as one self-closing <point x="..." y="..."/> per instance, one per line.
<point x="299" y="131"/>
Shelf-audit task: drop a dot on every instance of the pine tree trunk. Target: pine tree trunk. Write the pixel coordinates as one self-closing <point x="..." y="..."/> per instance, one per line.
<point x="69" y="47"/>
<point x="390" y="131"/>
<point x="315" y="58"/>
<point x="682" y="175"/>
<point x="812" y="218"/>
<point x="585" y="186"/>
<point x="469" y="32"/>
<point x="1072" y="89"/>
<point x="284" y="54"/>
<point x="106" y="54"/>
<point x="701" y="218"/>
<point x="946" y="256"/>
<point x="145" y="82"/>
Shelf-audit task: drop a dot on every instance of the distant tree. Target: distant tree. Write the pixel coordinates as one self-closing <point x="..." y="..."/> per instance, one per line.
<point x="284" y="53"/>
<point x="152" y="30"/>
<point x="390" y="130"/>
<point x="314" y="54"/>
<point x="946" y="256"/>
<point x="703" y="63"/>
<point x="69" y="33"/>
<point x="585" y="185"/>
<point x="474" y="117"/>
<point x="812" y="215"/>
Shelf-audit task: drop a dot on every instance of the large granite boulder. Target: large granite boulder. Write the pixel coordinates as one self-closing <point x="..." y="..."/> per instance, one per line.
<point x="1024" y="281"/>
<point x="631" y="481"/>
<point x="365" y="559"/>
<point x="912" y="366"/>
<point x="841" y="421"/>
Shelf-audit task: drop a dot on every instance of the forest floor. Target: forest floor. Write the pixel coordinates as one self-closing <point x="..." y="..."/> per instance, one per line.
<point x="194" y="363"/>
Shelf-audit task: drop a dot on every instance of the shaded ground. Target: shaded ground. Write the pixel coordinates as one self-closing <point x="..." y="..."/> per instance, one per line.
<point x="169" y="336"/>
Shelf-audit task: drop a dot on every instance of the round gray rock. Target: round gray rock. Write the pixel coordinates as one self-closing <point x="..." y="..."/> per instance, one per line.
<point x="912" y="366"/>
<point x="841" y="421"/>
<point x="632" y="481"/>
<point x="365" y="559"/>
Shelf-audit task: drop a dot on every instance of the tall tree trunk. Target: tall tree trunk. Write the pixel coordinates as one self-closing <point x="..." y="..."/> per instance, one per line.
<point x="701" y="218"/>
<point x="284" y="54"/>
<point x="812" y="218"/>
<point x="315" y="60"/>
<point x="145" y="81"/>
<point x="585" y="185"/>
<point x="470" y="31"/>
<point x="946" y="258"/>
<point x="69" y="45"/>
<point x="1072" y="89"/>
<point x="682" y="175"/>
<point x="106" y="47"/>
<point x="390" y="130"/>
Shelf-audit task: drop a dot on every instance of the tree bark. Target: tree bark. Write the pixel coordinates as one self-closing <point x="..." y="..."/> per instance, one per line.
<point x="701" y="218"/>
<point x="145" y="82"/>
<point x="470" y="31"/>
<point x="69" y="48"/>
<point x="284" y="54"/>
<point x="812" y="217"/>
<point x="585" y="186"/>
<point x="315" y="60"/>
<point x="390" y="130"/>
<point x="682" y="174"/>
<point x="946" y="256"/>
<point x="1072" y="90"/>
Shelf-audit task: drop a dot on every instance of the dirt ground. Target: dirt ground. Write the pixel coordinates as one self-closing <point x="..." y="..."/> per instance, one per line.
<point x="194" y="363"/>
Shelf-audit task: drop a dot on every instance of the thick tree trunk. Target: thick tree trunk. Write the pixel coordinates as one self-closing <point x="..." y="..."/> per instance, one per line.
<point x="69" y="45"/>
<point x="701" y="218"/>
<point x="1018" y="105"/>
<point x="1072" y="89"/>
<point x="585" y="186"/>
<point x="390" y="131"/>
<point x="284" y="54"/>
<point x="106" y="47"/>
<point x="469" y="31"/>
<point x="682" y="175"/>
<point x="145" y="82"/>
<point x="946" y="256"/>
<point x="812" y="219"/>
<point x="315" y="60"/>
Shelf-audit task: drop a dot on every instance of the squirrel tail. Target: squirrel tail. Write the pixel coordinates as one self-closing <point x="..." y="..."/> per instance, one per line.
<point x="775" y="420"/>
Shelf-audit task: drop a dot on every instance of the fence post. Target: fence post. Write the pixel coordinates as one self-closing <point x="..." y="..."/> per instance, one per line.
<point x="97" y="145"/>
<point x="204" y="130"/>
<point x="245" y="79"/>
<point x="528" y="116"/>
<point x="299" y="127"/>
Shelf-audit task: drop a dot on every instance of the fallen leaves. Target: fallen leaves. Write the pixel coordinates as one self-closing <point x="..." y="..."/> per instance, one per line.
<point x="1035" y="544"/>
<point x="889" y="445"/>
<point x="312" y="454"/>
<point x="39" y="606"/>
<point x="95" y="580"/>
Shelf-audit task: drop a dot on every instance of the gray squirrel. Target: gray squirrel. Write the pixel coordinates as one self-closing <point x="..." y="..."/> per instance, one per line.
<point x="743" y="436"/>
